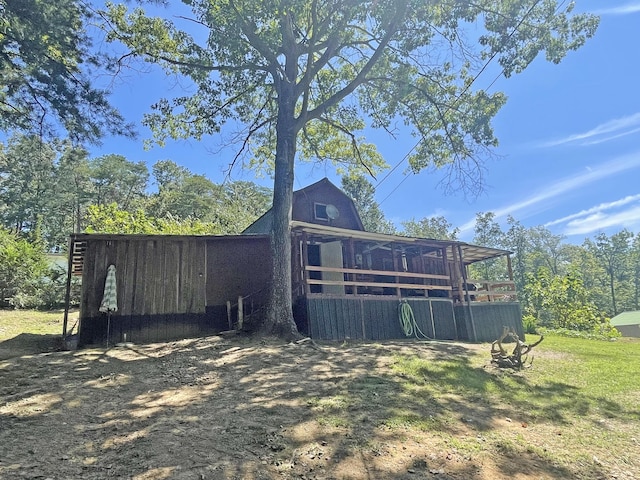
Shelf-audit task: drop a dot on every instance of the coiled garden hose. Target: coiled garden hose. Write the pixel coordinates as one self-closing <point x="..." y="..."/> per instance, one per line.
<point x="408" y="321"/>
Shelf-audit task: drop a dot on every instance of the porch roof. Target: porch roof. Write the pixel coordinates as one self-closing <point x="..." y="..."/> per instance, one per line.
<point x="470" y="253"/>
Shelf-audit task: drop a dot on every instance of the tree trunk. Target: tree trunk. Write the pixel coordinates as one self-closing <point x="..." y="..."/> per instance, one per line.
<point x="613" y="291"/>
<point x="279" y="319"/>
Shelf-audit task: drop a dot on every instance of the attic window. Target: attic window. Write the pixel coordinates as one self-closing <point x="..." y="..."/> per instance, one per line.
<point x="320" y="211"/>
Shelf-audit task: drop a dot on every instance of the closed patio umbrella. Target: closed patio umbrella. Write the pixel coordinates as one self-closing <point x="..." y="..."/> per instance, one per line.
<point x="109" y="302"/>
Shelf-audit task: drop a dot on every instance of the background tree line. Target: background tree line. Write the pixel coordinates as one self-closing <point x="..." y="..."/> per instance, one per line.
<point x="51" y="189"/>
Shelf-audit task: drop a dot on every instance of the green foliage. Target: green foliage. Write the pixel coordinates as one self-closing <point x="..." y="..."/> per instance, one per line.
<point x="363" y="195"/>
<point x="27" y="179"/>
<point x="46" y="65"/>
<point x="232" y="206"/>
<point x="562" y="302"/>
<point x="603" y="331"/>
<point x="118" y="180"/>
<point x="53" y="289"/>
<point x="325" y="71"/>
<point x="530" y="324"/>
<point x="431" y="227"/>
<point x="111" y="219"/>
<point x="488" y="233"/>
<point x="613" y="255"/>
<point x="23" y="267"/>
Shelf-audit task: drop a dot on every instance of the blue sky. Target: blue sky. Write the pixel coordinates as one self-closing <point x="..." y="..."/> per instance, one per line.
<point x="569" y="155"/>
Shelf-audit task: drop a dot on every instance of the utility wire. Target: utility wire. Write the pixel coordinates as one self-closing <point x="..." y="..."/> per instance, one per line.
<point x="432" y="127"/>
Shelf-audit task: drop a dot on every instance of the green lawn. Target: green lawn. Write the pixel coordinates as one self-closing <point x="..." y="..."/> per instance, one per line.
<point x="575" y="413"/>
<point x="25" y="332"/>
<point x="579" y="396"/>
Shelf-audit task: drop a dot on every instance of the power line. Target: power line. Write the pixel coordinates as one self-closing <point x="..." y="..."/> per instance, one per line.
<point x="432" y="127"/>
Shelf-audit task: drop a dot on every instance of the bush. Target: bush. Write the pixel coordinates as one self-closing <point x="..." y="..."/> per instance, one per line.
<point x="23" y="269"/>
<point x="530" y="324"/>
<point x="602" y="332"/>
<point x="54" y="289"/>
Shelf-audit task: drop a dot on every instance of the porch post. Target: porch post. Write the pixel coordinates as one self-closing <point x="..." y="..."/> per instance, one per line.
<point x="305" y="258"/>
<point x="352" y="264"/>
<point x="464" y="279"/>
<point x="395" y="268"/>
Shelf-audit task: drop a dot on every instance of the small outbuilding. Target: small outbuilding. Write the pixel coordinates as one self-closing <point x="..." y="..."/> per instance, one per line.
<point x="627" y="323"/>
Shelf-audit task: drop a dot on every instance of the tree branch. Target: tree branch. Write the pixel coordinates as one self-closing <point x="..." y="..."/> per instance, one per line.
<point x="362" y="74"/>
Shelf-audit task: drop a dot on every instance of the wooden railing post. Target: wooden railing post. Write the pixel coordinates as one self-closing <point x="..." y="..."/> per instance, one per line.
<point x="240" y="313"/>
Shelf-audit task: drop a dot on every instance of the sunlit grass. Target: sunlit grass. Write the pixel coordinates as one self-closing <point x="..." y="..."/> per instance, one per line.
<point x="569" y="376"/>
<point x="15" y="322"/>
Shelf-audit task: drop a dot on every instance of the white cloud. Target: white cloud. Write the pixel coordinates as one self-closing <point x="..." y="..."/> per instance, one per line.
<point x="612" y="137"/>
<point x="565" y="186"/>
<point x="604" y="132"/>
<point x="629" y="219"/>
<point x="622" y="10"/>
<point x="603" y="207"/>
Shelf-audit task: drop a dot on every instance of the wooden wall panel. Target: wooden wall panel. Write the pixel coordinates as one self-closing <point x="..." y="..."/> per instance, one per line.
<point x="161" y="285"/>
<point x="339" y="318"/>
<point x="487" y="319"/>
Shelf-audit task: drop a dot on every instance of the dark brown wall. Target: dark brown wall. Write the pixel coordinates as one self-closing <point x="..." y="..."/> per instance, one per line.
<point x="156" y="277"/>
<point x="169" y="287"/>
<point x="237" y="266"/>
<point x="153" y="276"/>
<point x="324" y="193"/>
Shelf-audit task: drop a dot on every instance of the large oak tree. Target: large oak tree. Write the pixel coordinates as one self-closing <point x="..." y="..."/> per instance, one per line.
<point x="305" y="77"/>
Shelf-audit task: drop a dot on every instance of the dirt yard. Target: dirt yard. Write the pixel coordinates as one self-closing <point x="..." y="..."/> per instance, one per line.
<point x="237" y="408"/>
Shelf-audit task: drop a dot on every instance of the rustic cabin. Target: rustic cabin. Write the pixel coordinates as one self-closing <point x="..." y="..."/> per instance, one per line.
<point x="347" y="283"/>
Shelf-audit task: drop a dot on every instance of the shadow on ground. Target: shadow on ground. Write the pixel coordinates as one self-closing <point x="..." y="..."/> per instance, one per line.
<point x="238" y="408"/>
<point x="29" y="344"/>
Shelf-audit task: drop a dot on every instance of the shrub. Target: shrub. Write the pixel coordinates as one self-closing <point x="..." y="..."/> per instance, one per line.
<point x="23" y="269"/>
<point x="530" y="324"/>
<point x="54" y="288"/>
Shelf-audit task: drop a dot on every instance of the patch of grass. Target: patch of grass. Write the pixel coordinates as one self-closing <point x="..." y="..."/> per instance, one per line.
<point x="606" y="370"/>
<point x="580" y="395"/>
<point x="404" y="419"/>
<point x="337" y="403"/>
<point x="335" y="421"/>
<point x="27" y="332"/>
<point x="15" y="322"/>
<point x="570" y="377"/>
<point x="454" y="375"/>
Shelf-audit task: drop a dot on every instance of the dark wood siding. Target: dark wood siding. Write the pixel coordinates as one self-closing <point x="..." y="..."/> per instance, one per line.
<point x="304" y="201"/>
<point x="169" y="287"/>
<point x="487" y="319"/>
<point x="236" y="266"/>
<point x="160" y="283"/>
<point x="322" y="192"/>
<point x="375" y="318"/>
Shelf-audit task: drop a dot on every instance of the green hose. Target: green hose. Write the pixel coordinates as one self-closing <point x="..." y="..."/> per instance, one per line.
<point x="408" y="321"/>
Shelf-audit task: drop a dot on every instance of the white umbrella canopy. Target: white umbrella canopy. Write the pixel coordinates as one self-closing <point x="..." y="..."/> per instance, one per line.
<point x="109" y="302"/>
<point x="110" y="297"/>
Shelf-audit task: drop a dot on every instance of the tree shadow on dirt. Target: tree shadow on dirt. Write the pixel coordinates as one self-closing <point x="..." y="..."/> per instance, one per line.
<point x="29" y="344"/>
<point x="251" y="409"/>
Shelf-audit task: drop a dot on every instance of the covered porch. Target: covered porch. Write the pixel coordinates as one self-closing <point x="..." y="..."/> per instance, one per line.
<point x="348" y="284"/>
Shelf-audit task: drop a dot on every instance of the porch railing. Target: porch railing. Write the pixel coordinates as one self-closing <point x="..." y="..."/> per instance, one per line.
<point x="359" y="281"/>
<point x="487" y="291"/>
